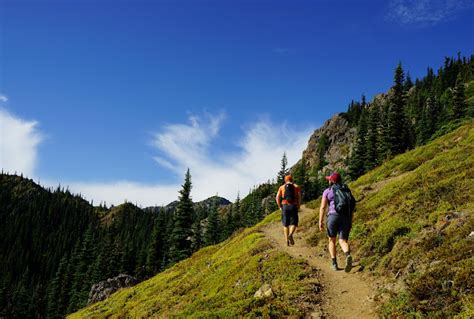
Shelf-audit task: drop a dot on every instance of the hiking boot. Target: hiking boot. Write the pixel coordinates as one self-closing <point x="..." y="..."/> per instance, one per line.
<point x="348" y="266"/>
<point x="334" y="267"/>
<point x="292" y="242"/>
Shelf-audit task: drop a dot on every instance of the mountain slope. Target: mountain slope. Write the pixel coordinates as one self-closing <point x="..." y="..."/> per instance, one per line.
<point x="411" y="231"/>
<point x="219" y="282"/>
<point x="412" y="227"/>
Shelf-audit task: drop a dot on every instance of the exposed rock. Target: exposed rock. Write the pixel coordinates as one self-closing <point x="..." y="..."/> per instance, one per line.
<point x="104" y="289"/>
<point x="264" y="292"/>
<point x="341" y="138"/>
<point x="268" y="204"/>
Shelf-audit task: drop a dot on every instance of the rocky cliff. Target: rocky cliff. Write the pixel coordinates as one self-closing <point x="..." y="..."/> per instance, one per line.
<point x="330" y="145"/>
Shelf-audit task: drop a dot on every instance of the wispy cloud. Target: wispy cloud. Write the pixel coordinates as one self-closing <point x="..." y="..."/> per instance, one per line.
<point x="426" y="12"/>
<point x="3" y="98"/>
<point x="19" y="141"/>
<point x="256" y="160"/>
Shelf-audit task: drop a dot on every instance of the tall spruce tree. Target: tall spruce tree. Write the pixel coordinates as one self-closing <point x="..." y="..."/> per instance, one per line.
<point x="397" y="128"/>
<point x="213" y="230"/>
<point x="237" y="212"/>
<point x="459" y="105"/>
<point x="371" y="155"/>
<point x="180" y="237"/>
<point x="357" y="161"/>
<point x="283" y="170"/>
<point x="197" y="241"/>
<point x="56" y="303"/>
<point x="155" y="251"/>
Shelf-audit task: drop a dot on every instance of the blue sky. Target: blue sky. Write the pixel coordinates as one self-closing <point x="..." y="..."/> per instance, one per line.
<point x="117" y="98"/>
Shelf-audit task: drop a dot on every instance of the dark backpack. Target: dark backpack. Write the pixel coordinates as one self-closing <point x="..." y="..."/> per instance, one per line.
<point x="290" y="193"/>
<point x="344" y="202"/>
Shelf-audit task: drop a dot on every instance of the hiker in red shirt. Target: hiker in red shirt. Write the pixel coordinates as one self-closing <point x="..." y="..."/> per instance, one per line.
<point x="288" y="199"/>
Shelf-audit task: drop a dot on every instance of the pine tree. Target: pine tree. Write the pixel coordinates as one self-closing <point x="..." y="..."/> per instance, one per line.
<point x="357" y="161"/>
<point x="397" y="127"/>
<point x="56" y="305"/>
<point x="228" y="224"/>
<point x="155" y="251"/>
<point x="197" y="235"/>
<point x="459" y="105"/>
<point x="180" y="237"/>
<point x="283" y="170"/>
<point x="80" y="286"/>
<point x="212" y="234"/>
<point x="300" y="177"/>
<point x="371" y="154"/>
<point x="237" y="213"/>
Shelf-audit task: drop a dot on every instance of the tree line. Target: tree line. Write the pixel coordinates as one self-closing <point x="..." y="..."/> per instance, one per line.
<point x="410" y="114"/>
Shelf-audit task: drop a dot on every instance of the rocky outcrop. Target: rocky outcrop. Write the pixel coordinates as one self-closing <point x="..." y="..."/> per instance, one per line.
<point x="332" y="142"/>
<point x="104" y="289"/>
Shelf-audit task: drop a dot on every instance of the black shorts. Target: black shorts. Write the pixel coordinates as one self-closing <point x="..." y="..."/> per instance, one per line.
<point x="289" y="215"/>
<point x="339" y="225"/>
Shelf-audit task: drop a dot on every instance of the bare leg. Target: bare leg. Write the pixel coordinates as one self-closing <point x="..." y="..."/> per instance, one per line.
<point x="344" y="245"/>
<point x="292" y="229"/>
<point x="285" y="232"/>
<point x="332" y="247"/>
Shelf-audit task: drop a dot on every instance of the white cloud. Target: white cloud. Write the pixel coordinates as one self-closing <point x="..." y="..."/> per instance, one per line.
<point x="256" y="160"/>
<point x="190" y="145"/>
<point x="426" y="12"/>
<point x="3" y="98"/>
<point x="19" y="141"/>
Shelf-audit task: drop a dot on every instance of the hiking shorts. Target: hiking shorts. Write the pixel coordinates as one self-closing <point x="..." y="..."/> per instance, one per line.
<point x="289" y="215"/>
<point x="339" y="225"/>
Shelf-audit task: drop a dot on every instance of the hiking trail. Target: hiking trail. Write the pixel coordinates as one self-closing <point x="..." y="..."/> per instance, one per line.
<point x="344" y="295"/>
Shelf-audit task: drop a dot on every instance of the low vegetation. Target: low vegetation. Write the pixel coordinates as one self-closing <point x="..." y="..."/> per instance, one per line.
<point x="413" y="227"/>
<point x="218" y="282"/>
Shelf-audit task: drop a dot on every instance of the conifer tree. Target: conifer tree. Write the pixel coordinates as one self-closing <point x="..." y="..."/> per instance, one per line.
<point x="397" y="128"/>
<point x="357" y="161"/>
<point x="180" y="237"/>
<point x="371" y="155"/>
<point x="56" y="305"/>
<point x="459" y="105"/>
<point x="212" y="234"/>
<point x="228" y="224"/>
<point x="283" y="170"/>
<point x="197" y="235"/>
<point x="301" y="178"/>
<point x="237" y="213"/>
<point x="155" y="251"/>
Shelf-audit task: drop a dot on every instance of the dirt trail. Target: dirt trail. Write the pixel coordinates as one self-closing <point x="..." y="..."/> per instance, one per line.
<point x="345" y="295"/>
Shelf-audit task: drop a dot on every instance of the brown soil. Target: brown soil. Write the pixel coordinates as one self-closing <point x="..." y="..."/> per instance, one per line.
<point x="344" y="295"/>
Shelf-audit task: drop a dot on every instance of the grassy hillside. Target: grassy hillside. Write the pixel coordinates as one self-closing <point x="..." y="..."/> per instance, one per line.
<point x="218" y="282"/>
<point x="413" y="224"/>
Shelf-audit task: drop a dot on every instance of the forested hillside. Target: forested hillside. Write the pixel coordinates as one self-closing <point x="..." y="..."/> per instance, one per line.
<point x="55" y="245"/>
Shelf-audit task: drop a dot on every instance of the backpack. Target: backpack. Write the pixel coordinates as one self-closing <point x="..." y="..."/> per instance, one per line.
<point x="344" y="202"/>
<point x="290" y="193"/>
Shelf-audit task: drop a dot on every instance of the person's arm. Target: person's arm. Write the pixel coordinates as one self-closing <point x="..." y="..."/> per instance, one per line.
<point x="278" y="197"/>
<point x="322" y="211"/>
